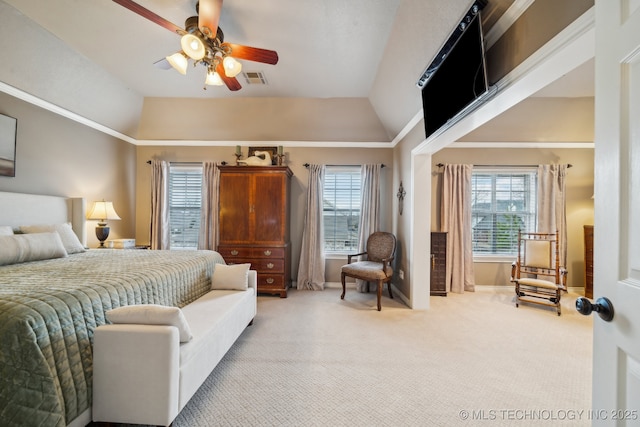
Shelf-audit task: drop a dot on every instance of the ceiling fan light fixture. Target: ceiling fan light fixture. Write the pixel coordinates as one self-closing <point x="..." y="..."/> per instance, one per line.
<point x="213" y="79"/>
<point x="231" y="67"/>
<point x="179" y="61"/>
<point x="193" y="46"/>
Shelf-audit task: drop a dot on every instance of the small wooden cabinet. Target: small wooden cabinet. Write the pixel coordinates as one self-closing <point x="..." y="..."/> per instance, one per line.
<point x="588" y="261"/>
<point x="254" y="222"/>
<point x="438" y="264"/>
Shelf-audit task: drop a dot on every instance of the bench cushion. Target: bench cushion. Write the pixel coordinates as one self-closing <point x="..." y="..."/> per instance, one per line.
<point x="151" y="314"/>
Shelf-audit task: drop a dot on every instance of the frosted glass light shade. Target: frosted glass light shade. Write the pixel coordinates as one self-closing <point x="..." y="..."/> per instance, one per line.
<point x="192" y="46"/>
<point x="231" y="67"/>
<point x="213" y="79"/>
<point x="179" y="62"/>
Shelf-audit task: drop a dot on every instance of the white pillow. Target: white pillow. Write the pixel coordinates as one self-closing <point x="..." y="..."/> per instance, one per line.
<point x="19" y="248"/>
<point x="152" y="314"/>
<point x="6" y="230"/>
<point x="69" y="238"/>
<point x="233" y="277"/>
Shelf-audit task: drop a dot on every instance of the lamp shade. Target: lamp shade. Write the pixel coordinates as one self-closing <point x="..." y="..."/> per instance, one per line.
<point x="192" y="46"/>
<point x="102" y="211"/>
<point x="179" y="62"/>
<point x="231" y="67"/>
<point x="213" y="79"/>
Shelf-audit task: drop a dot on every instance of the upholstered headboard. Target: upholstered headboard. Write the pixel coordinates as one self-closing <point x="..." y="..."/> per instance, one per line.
<point x="18" y="209"/>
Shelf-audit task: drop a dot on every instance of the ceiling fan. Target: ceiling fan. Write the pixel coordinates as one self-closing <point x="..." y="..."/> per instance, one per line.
<point x="203" y="42"/>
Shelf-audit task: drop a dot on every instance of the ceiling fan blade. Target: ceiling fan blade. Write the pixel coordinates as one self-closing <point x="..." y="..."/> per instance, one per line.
<point x="146" y="13"/>
<point x="253" y="53"/>
<point x="163" y="64"/>
<point x="232" y="83"/>
<point x="209" y="16"/>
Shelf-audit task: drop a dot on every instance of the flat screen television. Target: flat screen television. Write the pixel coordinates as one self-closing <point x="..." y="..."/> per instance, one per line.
<point x="456" y="78"/>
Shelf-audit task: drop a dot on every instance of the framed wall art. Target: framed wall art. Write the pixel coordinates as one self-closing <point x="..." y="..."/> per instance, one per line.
<point x="8" y="128"/>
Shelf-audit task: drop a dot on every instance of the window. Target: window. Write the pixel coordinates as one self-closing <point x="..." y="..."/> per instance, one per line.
<point x="502" y="202"/>
<point x="185" y="200"/>
<point x="341" y="208"/>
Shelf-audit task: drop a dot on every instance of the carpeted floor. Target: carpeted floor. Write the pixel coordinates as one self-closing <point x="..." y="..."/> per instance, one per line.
<point x="473" y="359"/>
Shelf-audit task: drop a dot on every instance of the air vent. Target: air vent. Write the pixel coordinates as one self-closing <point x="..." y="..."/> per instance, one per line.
<point x="255" y="77"/>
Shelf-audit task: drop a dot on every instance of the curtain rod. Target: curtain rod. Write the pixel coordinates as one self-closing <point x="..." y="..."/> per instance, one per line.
<point x="306" y="165"/>
<point x="223" y="163"/>
<point x="569" y="165"/>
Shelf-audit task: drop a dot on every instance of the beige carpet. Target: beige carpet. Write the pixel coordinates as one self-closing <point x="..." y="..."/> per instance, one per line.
<point x="472" y="359"/>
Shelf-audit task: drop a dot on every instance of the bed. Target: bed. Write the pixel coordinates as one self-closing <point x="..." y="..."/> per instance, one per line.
<point x="49" y="309"/>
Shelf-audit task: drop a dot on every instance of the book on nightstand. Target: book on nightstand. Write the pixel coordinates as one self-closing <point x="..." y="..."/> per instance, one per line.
<point x="124" y="243"/>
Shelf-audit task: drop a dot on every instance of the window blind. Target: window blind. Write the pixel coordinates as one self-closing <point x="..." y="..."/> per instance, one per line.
<point x="502" y="202"/>
<point x="185" y="201"/>
<point x="341" y="208"/>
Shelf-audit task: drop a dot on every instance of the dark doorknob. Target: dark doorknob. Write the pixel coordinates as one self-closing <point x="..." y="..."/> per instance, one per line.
<point x="603" y="307"/>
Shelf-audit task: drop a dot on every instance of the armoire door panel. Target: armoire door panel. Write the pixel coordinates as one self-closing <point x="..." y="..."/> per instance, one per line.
<point x="269" y="208"/>
<point x="235" y="209"/>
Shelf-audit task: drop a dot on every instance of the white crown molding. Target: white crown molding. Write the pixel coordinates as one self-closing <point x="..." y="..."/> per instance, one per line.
<point x="27" y="97"/>
<point x="408" y="128"/>
<point x="522" y="144"/>
<point x="301" y="144"/>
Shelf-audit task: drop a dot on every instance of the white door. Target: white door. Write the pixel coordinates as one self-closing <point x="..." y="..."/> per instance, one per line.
<point x="616" y="356"/>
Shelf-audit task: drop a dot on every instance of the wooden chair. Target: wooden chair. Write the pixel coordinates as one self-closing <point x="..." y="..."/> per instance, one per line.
<point x="381" y="248"/>
<point x="537" y="273"/>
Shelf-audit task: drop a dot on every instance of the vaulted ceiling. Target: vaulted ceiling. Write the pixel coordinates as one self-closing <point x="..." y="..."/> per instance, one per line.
<point x="345" y="62"/>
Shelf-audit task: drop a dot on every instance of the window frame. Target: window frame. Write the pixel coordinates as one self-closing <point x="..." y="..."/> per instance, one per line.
<point x="532" y="201"/>
<point x="355" y="170"/>
<point x="184" y="168"/>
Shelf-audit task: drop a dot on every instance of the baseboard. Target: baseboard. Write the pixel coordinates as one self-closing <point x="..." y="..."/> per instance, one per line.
<point x="333" y="285"/>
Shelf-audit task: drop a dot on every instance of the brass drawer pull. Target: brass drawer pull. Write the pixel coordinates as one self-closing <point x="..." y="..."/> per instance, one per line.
<point x="267" y="252"/>
<point x="234" y="252"/>
<point x="270" y="265"/>
<point x="269" y="280"/>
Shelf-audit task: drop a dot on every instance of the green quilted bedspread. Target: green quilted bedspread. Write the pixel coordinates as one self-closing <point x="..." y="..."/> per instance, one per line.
<point x="49" y="310"/>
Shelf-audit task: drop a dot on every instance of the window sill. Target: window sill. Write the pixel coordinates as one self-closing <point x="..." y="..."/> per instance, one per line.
<point x="502" y="259"/>
<point x="335" y="255"/>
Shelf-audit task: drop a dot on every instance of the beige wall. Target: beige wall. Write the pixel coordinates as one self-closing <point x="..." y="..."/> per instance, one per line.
<point x="57" y="156"/>
<point x="579" y="187"/>
<point x="402" y="227"/>
<point x="296" y="158"/>
<point x="261" y="119"/>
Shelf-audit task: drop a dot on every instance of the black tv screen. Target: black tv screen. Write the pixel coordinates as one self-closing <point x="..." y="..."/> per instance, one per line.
<point x="457" y="76"/>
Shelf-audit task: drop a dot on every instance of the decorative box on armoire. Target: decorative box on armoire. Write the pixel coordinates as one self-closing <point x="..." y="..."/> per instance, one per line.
<point x="438" y="263"/>
<point x="588" y="261"/>
<point x="254" y="223"/>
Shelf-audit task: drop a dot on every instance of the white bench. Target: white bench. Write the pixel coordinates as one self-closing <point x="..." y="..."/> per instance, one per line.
<point x="142" y="374"/>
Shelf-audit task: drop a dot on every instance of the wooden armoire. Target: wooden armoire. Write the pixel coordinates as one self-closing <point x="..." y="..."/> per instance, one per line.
<point x="254" y="223"/>
<point x="439" y="263"/>
<point x="588" y="261"/>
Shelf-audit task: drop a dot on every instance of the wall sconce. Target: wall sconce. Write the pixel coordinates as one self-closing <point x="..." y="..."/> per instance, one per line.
<point x="401" y="193"/>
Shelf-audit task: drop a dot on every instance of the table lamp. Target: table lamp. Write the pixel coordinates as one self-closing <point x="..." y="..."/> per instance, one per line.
<point x="102" y="211"/>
